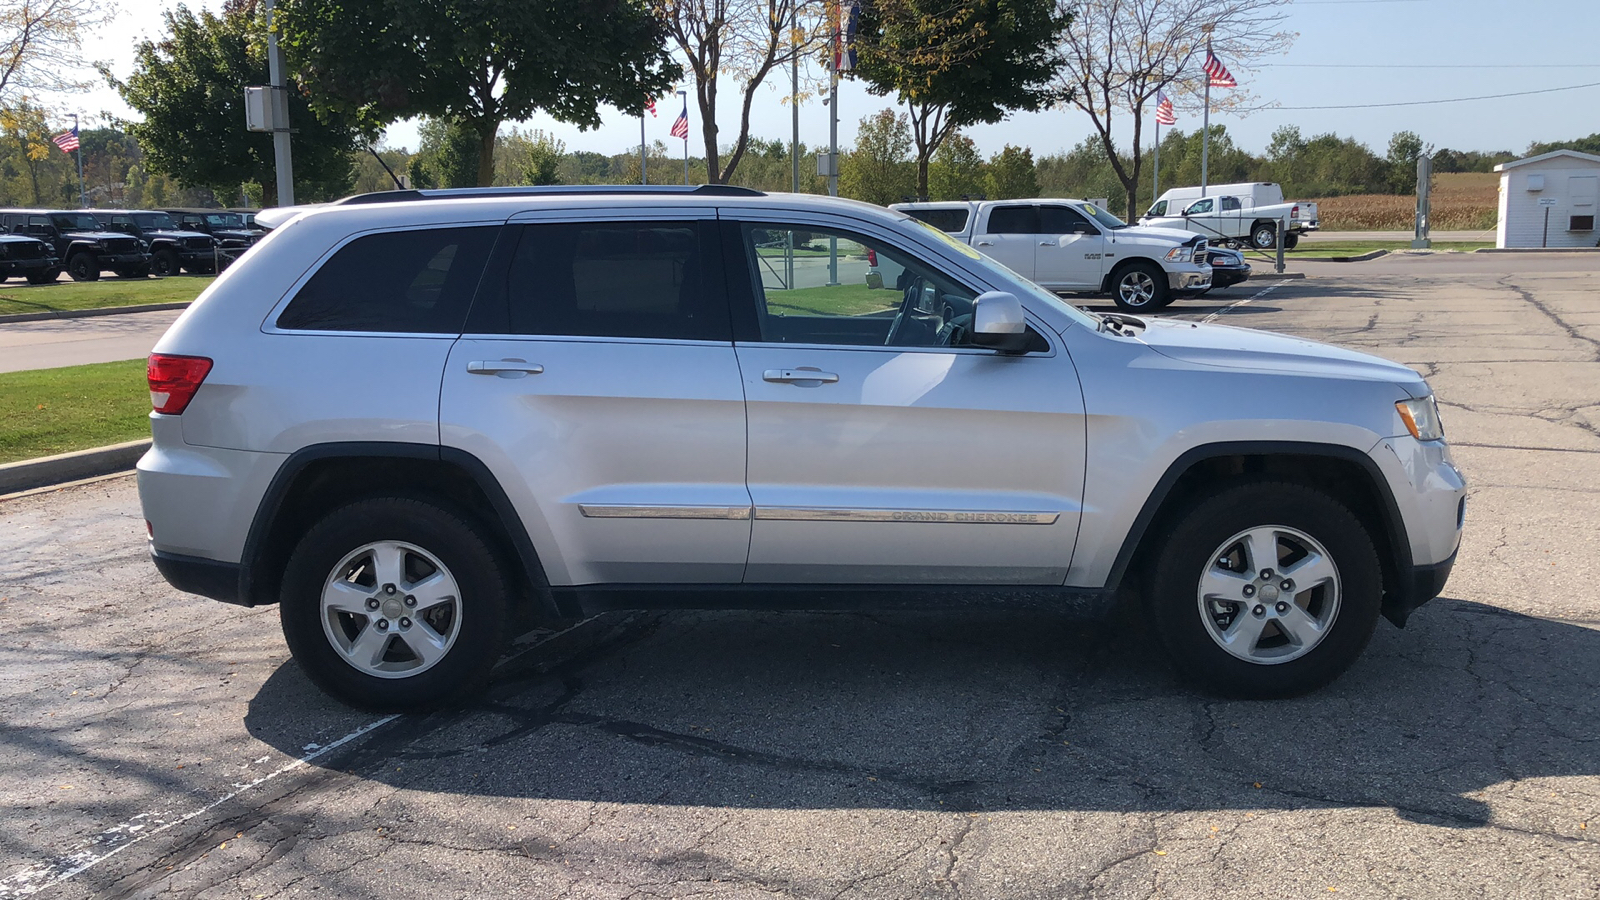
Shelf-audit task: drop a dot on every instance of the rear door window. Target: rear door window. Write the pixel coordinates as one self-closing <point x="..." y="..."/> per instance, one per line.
<point x="1020" y="219"/>
<point x="407" y="282"/>
<point x="950" y="221"/>
<point x="616" y="279"/>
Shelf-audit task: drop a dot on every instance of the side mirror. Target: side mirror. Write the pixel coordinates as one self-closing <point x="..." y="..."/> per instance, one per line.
<point x="998" y="323"/>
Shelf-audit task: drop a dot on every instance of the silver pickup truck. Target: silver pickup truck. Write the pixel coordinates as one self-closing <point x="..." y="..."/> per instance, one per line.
<point x="1075" y="246"/>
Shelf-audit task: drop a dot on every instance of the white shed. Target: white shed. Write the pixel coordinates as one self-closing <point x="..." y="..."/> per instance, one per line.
<point x="1549" y="200"/>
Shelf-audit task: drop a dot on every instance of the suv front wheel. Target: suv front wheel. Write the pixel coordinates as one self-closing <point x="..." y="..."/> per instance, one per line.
<point x="395" y="604"/>
<point x="1266" y="589"/>
<point x="84" y="267"/>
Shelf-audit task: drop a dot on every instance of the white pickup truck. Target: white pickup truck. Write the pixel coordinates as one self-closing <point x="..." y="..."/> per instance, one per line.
<point x="1234" y="213"/>
<point x="1071" y="246"/>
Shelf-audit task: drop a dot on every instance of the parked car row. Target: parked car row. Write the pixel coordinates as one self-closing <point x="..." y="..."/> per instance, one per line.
<point x="39" y="244"/>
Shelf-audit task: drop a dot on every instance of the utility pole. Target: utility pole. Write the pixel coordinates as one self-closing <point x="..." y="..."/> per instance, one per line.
<point x="281" y="159"/>
<point x="794" y="109"/>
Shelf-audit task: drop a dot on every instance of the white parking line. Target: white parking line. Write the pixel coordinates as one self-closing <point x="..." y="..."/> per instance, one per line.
<point x="95" y="850"/>
<point x="1257" y="296"/>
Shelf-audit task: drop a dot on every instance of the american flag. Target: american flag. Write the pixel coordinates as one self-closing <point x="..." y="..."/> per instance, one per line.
<point x="650" y="104"/>
<point x="1217" y="72"/>
<point x="680" y="126"/>
<point x="67" y="140"/>
<point x="1164" y="112"/>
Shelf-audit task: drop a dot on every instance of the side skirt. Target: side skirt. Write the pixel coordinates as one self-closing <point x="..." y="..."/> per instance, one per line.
<point x="1087" y="603"/>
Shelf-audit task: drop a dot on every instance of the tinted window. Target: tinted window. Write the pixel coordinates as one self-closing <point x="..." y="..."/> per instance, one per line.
<point x="614" y="279"/>
<point x="1230" y="204"/>
<point x="1199" y="207"/>
<point x="1014" y="220"/>
<point x="415" y="282"/>
<point x="952" y="221"/>
<point x="1160" y="209"/>
<point x="1064" y="220"/>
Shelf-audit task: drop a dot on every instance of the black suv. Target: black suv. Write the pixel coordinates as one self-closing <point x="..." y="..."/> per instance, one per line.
<point x="227" y="227"/>
<point x="171" y="249"/>
<point x="79" y="242"/>
<point x="29" y="257"/>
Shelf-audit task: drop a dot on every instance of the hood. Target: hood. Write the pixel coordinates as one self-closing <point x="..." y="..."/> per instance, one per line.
<point x="174" y="233"/>
<point x="1227" y="347"/>
<point x="1173" y="236"/>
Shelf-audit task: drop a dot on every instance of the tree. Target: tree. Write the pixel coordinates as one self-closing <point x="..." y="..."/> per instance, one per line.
<point x="956" y="170"/>
<point x="961" y="63"/>
<point x="478" y="62"/>
<point x="40" y="43"/>
<point x="543" y="161"/>
<point x="878" y="169"/>
<point x="1405" y="147"/>
<point x="1121" y="53"/>
<point x="27" y="131"/>
<point x="1011" y="174"/>
<point x="447" y="155"/>
<point x="1590" y="144"/>
<point x="190" y="85"/>
<point x="740" y="39"/>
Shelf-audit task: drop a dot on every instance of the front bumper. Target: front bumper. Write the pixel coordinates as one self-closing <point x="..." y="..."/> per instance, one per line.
<point x="117" y="260"/>
<point x="1421" y="584"/>
<point x="1189" y="280"/>
<point x="24" y="266"/>
<point x="1430" y="494"/>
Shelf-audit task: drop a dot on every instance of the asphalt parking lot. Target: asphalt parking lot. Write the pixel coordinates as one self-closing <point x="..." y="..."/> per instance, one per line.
<point x="162" y="744"/>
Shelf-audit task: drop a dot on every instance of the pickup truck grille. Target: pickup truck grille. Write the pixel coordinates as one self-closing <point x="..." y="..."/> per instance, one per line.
<point x="197" y="243"/>
<point x="1200" y="253"/>
<point x="120" y="245"/>
<point x="21" y="250"/>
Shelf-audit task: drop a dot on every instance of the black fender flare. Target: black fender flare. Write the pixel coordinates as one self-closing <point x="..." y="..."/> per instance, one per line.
<point x="272" y="501"/>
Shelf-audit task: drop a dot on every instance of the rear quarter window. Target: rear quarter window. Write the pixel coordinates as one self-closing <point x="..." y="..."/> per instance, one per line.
<point x="410" y="282"/>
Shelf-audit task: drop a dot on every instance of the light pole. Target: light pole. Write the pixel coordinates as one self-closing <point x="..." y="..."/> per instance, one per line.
<point x="83" y="198"/>
<point x="684" y="97"/>
<point x="281" y="159"/>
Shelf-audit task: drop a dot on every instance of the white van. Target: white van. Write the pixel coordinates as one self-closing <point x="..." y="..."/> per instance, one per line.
<point x="1249" y="211"/>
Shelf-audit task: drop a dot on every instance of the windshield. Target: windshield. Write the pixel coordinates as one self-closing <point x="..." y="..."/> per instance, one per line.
<point x="224" y="220"/>
<point x="154" y="222"/>
<point x="1029" y="288"/>
<point x="74" y="222"/>
<point x="1106" y="220"/>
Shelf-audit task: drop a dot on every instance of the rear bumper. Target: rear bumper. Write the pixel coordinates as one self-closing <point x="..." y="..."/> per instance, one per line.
<point x="206" y="577"/>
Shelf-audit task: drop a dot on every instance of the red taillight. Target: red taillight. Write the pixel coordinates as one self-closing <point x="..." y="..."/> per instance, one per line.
<point x="174" y="379"/>
<point x="872" y="258"/>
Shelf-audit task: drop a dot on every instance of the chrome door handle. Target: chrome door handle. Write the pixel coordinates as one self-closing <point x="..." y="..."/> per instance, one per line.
<point x="1048" y="244"/>
<point x="986" y="243"/>
<point x="505" y="368"/>
<point x="790" y="376"/>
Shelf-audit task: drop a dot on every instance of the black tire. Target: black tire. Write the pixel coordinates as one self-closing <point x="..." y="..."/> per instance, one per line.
<point x="1186" y="551"/>
<point x="139" y="271"/>
<point x="84" y="267"/>
<point x="481" y="632"/>
<point x="1264" y="236"/>
<point x="1291" y="240"/>
<point x="43" y="276"/>
<point x="1140" y="286"/>
<point x="164" y="262"/>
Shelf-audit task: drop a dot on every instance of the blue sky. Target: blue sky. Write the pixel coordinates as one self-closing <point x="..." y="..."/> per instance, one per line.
<point x="1483" y="45"/>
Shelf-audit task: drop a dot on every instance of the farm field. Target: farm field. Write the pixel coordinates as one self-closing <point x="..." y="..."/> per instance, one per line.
<point x="1463" y="201"/>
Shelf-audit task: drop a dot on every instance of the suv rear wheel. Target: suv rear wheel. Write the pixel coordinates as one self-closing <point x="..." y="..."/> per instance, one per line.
<point x="1141" y="287"/>
<point x="1266" y="589"/>
<point x="395" y="604"/>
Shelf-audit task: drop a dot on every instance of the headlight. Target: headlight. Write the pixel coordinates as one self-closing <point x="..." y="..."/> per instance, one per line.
<point x="1180" y="253"/>
<point x="1422" y="418"/>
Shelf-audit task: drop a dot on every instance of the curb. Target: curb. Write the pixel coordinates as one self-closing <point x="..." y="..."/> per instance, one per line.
<point x="1362" y="258"/>
<point x="88" y="313"/>
<point x="1537" y="250"/>
<point x="1276" y="276"/>
<point x="51" y="470"/>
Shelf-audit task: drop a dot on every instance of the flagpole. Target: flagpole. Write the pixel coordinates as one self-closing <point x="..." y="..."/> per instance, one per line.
<point x="642" y="179"/>
<point x="83" y="197"/>
<point x="1205" y="142"/>
<point x="1155" y="189"/>
<point x="685" y="96"/>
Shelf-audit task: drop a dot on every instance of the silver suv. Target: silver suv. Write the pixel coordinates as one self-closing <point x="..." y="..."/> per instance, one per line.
<point x="421" y="421"/>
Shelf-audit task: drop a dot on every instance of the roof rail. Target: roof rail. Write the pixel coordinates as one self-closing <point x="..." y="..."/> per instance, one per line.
<point x="713" y="190"/>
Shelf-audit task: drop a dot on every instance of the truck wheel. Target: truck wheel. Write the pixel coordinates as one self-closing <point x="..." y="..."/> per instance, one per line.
<point x="1264" y="236"/>
<point x="1291" y="240"/>
<point x="84" y="267"/>
<point x="1141" y="287"/>
<point x="1265" y="589"/>
<point x="395" y="604"/>
<point x="165" y="262"/>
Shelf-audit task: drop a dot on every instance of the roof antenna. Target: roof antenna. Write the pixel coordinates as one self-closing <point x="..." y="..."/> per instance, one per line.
<point x="397" y="184"/>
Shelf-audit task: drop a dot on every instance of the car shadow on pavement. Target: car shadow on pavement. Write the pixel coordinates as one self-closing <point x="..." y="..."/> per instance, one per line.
<point x="992" y="711"/>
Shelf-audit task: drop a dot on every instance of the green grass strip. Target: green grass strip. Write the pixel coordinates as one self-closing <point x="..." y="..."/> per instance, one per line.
<point x="63" y="296"/>
<point x="49" y="411"/>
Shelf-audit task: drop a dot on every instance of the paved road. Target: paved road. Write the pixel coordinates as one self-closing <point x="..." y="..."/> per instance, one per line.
<point x="153" y="739"/>
<point x="71" y="342"/>
<point x="1437" y="236"/>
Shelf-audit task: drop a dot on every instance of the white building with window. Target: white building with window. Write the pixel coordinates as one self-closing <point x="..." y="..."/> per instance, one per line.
<point x="1549" y="200"/>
